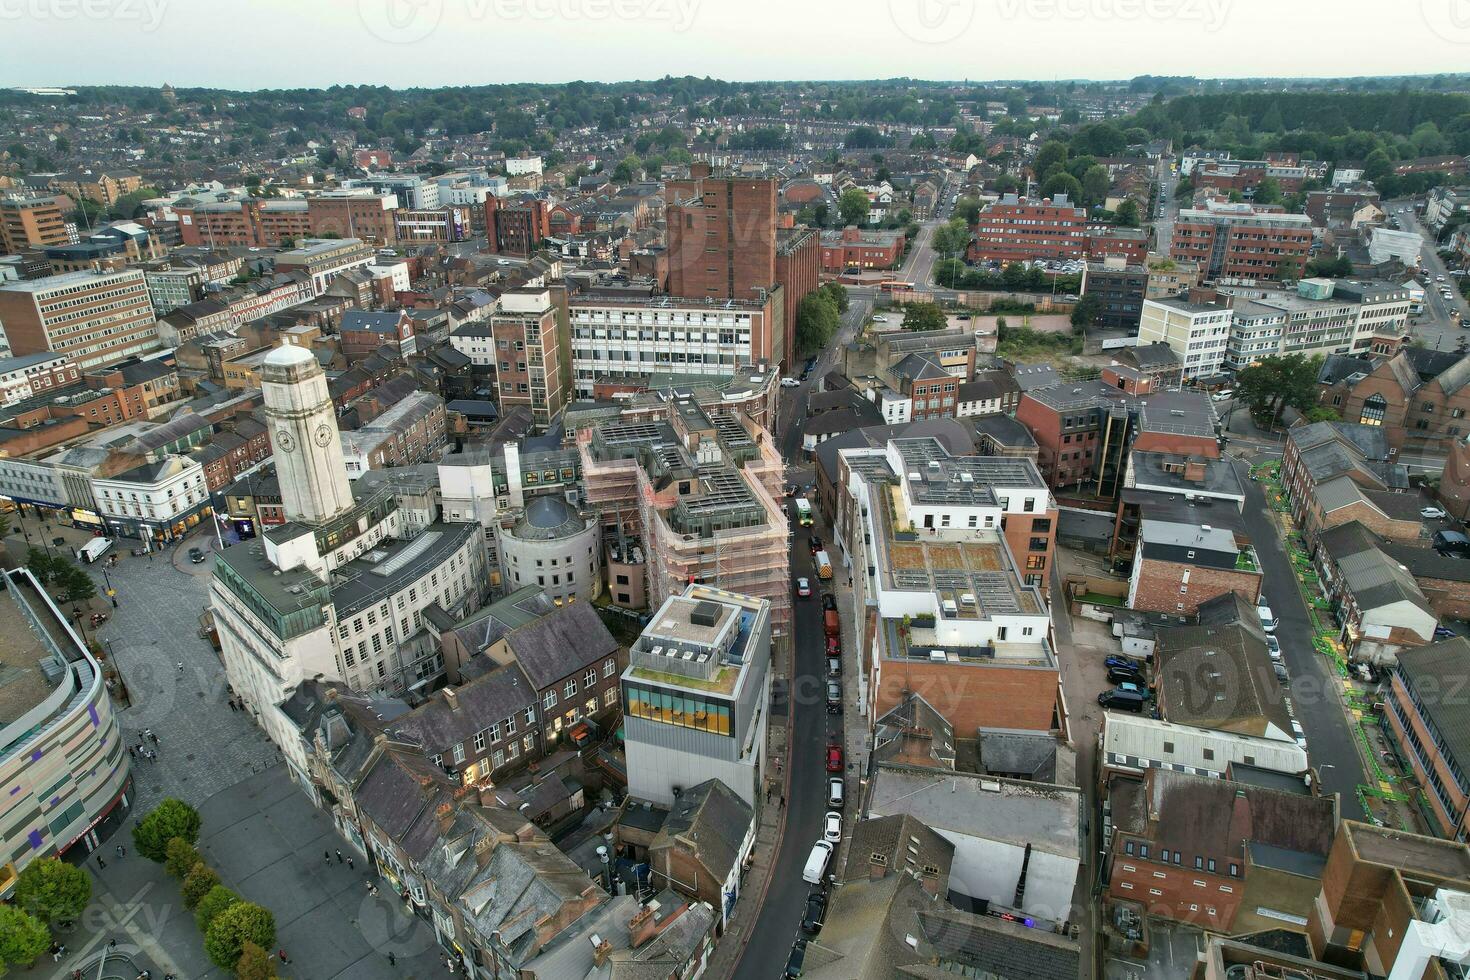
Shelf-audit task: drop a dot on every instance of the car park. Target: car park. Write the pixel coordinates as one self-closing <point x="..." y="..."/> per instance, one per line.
<point x="816" y="911"/>
<point x="804" y="588"/>
<point x="834" y="758"/>
<point x="832" y="826"/>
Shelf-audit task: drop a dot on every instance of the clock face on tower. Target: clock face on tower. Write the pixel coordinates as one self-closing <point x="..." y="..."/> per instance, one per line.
<point x="284" y="442"/>
<point x="323" y="435"/>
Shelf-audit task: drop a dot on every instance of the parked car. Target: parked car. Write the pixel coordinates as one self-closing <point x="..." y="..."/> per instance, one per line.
<point x="834" y="666"/>
<point x="1298" y="734"/>
<point x="794" y="961"/>
<point x="804" y="588"/>
<point x="1129" y="687"/>
<point x="1432" y="513"/>
<point x="1122" y="700"/>
<point x="790" y="383"/>
<point x="880" y="319"/>
<point x="817" y="861"/>
<point x="836" y="793"/>
<point x="1273" y="647"/>
<point x="816" y="911"/>
<point x="815" y="543"/>
<point x="1223" y="396"/>
<point x="834" y="758"/>
<point x="829" y="601"/>
<point x="1121" y="675"/>
<point x="834" y="646"/>
<point x="834" y="697"/>
<point x="1280" y="671"/>
<point x="1268" y="619"/>
<point x="1127" y="663"/>
<point x="832" y="826"/>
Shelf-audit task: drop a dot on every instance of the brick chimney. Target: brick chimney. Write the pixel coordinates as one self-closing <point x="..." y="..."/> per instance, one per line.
<point x="641" y="928"/>
<point x="601" y="952"/>
<point x="877" y="866"/>
<point x="444" y="816"/>
<point x="929" y="881"/>
<point x="451" y="699"/>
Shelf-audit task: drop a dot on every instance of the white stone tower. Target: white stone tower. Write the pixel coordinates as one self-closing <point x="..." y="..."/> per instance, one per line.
<point x="304" y="438"/>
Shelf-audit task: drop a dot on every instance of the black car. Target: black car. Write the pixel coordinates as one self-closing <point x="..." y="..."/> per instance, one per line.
<point x="793" y="963"/>
<point x="196" y="555"/>
<point x="829" y="601"/>
<point x="1122" y="675"/>
<point x="816" y="911"/>
<point x="814" y="542"/>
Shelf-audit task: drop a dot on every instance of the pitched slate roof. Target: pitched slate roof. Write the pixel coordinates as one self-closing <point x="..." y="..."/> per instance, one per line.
<point x="710" y="820"/>
<point x="1440" y="667"/>
<point x="985" y="946"/>
<point x="564" y="642"/>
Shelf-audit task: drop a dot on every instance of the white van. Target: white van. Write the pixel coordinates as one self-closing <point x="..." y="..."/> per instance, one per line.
<point x="94" y="549"/>
<point x="1268" y="620"/>
<point x="816" y="862"/>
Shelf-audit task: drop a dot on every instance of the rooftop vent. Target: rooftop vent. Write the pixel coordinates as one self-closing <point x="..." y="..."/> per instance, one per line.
<point x="705" y="613"/>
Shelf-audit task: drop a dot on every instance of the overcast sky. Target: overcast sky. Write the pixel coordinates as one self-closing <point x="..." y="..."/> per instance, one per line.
<point x="290" y="43"/>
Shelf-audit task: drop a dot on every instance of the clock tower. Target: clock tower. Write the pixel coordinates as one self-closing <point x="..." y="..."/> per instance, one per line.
<point x="303" y="434"/>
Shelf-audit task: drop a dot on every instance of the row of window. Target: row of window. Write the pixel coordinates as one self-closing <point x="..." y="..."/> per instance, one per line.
<point x="1176" y="858"/>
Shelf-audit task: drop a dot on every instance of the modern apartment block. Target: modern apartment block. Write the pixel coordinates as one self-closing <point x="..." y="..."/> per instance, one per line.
<point x="646" y="342"/>
<point x="33" y="222"/>
<point x="1239" y="241"/>
<point x="1321" y="316"/>
<point x="62" y="758"/>
<point x="1198" y="332"/>
<point x="701" y="492"/>
<point x="696" y="696"/>
<point x="91" y="319"/>
<point x="250" y="222"/>
<point x="412" y="190"/>
<point x="1119" y="287"/>
<point x="949" y="556"/>
<point x="450" y="223"/>
<point x="528" y="355"/>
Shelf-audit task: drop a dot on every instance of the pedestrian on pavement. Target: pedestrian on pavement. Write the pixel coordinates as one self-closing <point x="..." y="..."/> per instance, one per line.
<point x="101" y="864"/>
<point x="328" y="856"/>
<point x="152" y="736"/>
<point x="111" y="945"/>
<point x="122" y="851"/>
<point x="339" y="857"/>
<point x="282" y="954"/>
<point x="392" y="960"/>
<point x="133" y="751"/>
<point x="181" y="666"/>
<point x="350" y="865"/>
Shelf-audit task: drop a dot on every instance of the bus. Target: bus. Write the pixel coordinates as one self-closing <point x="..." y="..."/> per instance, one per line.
<point x="803" y="512"/>
<point x="895" y="286"/>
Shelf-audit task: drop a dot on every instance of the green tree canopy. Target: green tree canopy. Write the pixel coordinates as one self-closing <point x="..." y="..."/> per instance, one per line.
<point x="199" y="882"/>
<point x="952" y="237"/>
<point x="1095" y="186"/>
<point x="254" y="964"/>
<point x="968" y="208"/>
<point x="924" y="316"/>
<point x="74" y="585"/>
<point x="1086" y="312"/>
<point x="180" y="857"/>
<point x="854" y="206"/>
<point x="1063" y="184"/>
<point x="838" y="293"/>
<point x="1273" y="383"/>
<point x="1053" y="154"/>
<point x="1127" y="213"/>
<point x="214" y="902"/>
<point x="171" y="818"/>
<point x="52" y="890"/>
<point x="816" y="321"/>
<point x="240" y="923"/>
<point x="23" y="937"/>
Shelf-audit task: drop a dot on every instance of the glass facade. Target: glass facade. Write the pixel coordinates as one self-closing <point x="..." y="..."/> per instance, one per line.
<point x="685" y="709"/>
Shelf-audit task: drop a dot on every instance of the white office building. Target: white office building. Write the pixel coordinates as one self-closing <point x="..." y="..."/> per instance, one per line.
<point x="1198" y="332"/>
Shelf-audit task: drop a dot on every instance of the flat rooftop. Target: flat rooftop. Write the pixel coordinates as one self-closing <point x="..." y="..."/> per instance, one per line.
<point x="1041" y="815"/>
<point x="23" y="685"/>
<point x="389" y="567"/>
<point x="1409" y="853"/>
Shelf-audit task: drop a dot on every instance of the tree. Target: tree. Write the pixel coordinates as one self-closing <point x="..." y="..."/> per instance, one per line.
<point x="23" y="937"/>
<point x="43" y="564"/>
<point x="968" y="208"/>
<point x="180" y="857"/>
<point x="214" y="902"/>
<point x="171" y="818"/>
<point x="198" y="883"/>
<point x="838" y="292"/>
<point x="254" y="964"/>
<point x="952" y="237"/>
<point x="1052" y="154"/>
<point x="1063" y="184"/>
<point x="854" y="206"/>
<point x="1273" y="383"/>
<point x="1376" y="165"/>
<point x="1127" y="213"/>
<point x="52" y="890"/>
<point x="1086" y="312"/>
<point x="629" y="169"/>
<point x="1095" y="185"/>
<point x="74" y="584"/>
<point x="241" y="923"/>
<point x="816" y="321"/>
<point x="924" y="316"/>
<point x="1335" y="267"/>
<point x="1268" y="191"/>
<point x="1323" y="413"/>
<point x="1184" y="190"/>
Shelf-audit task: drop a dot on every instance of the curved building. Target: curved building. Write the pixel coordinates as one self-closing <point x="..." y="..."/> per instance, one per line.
<point x="62" y="762"/>
<point x="554" y="546"/>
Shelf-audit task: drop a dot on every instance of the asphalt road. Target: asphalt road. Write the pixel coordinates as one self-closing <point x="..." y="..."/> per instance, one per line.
<point x="1164" y="227"/>
<point x="1331" y="744"/>
<point x="793" y="413"/>
<point x="1433" y="325"/>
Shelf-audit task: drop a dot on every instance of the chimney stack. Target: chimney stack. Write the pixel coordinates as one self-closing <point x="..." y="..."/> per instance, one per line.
<point x="877" y="866"/>
<point x="444" y="816"/>
<point x="641" y="928"/>
<point x="451" y="699"/>
<point x="600" y="954"/>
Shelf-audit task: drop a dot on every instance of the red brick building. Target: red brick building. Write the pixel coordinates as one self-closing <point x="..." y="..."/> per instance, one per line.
<point x="1016" y="229"/>
<point x="250" y="222"/>
<point x="1242" y="241"/>
<point x="798" y="270"/>
<point x="355" y="215"/>
<point x="1246" y="175"/>
<point x="854" y="248"/>
<point x="515" y="228"/>
<point x="1177" y="567"/>
<point x="1084" y="430"/>
<point x="721" y="236"/>
<point x="1419" y="397"/>
<point x="1337" y="472"/>
<point x="361" y="333"/>
<point x="1429" y="726"/>
<point x="1186" y="847"/>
